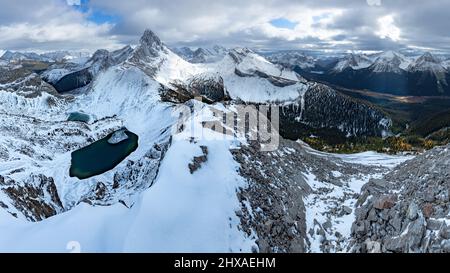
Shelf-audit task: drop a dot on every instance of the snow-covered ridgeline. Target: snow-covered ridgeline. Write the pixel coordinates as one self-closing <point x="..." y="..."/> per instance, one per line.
<point x="202" y="218"/>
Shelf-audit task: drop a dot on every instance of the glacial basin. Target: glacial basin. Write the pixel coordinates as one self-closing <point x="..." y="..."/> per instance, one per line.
<point x="102" y="156"/>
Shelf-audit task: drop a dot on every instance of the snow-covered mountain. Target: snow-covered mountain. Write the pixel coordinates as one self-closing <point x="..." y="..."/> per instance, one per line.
<point x="241" y="69"/>
<point x="201" y="54"/>
<point x="430" y="73"/>
<point x="19" y="56"/>
<point x="446" y="64"/>
<point x="293" y="58"/>
<point x="68" y="56"/>
<point x="57" y="56"/>
<point x="69" y="76"/>
<point x="386" y="72"/>
<point x="186" y="187"/>
<point x="390" y="62"/>
<point x="353" y="61"/>
<point x="427" y="63"/>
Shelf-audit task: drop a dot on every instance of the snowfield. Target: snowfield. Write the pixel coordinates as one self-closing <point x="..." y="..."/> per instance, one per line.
<point x="181" y="212"/>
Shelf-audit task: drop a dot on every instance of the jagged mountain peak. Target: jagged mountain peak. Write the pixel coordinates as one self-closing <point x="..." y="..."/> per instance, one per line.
<point x="293" y="59"/>
<point x="239" y="53"/>
<point x="427" y="62"/>
<point x="200" y="50"/>
<point x="428" y="57"/>
<point x="219" y="48"/>
<point x="205" y="54"/>
<point x="390" y="61"/>
<point x="21" y="56"/>
<point x="114" y="57"/>
<point x="122" y="54"/>
<point x="150" y="39"/>
<point x="100" y="53"/>
<point x="390" y="54"/>
<point x="353" y="61"/>
<point x="7" y="54"/>
<point x="150" y="47"/>
<point x="242" y="50"/>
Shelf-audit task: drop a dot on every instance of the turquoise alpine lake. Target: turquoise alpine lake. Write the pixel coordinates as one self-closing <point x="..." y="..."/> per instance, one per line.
<point x="78" y="116"/>
<point x="101" y="156"/>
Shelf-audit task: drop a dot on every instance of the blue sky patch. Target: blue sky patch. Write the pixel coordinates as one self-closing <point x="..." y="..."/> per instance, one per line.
<point x="283" y="23"/>
<point x="94" y="15"/>
<point x="100" y="17"/>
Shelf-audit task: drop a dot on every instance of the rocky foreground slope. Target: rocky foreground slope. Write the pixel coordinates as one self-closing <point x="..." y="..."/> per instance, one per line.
<point x="408" y="210"/>
<point x="301" y="200"/>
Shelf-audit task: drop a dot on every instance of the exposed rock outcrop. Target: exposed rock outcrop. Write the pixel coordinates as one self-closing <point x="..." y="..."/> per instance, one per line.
<point x="37" y="197"/>
<point x="408" y="210"/>
<point x="199" y="160"/>
<point x="273" y="205"/>
<point x="209" y="89"/>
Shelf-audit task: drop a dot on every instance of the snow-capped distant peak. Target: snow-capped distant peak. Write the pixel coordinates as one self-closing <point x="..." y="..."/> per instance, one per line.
<point x="25" y="56"/>
<point x="390" y="61"/>
<point x="427" y="62"/>
<point x="293" y="58"/>
<point x="446" y="64"/>
<point x="201" y="54"/>
<point x="238" y="54"/>
<point x="55" y="56"/>
<point x="353" y="61"/>
<point x="247" y="61"/>
<point x="78" y="57"/>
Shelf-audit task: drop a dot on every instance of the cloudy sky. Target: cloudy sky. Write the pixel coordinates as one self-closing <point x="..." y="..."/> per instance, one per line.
<point x="44" y="25"/>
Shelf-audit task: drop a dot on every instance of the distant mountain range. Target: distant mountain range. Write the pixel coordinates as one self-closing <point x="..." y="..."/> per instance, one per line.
<point x="55" y="56"/>
<point x="387" y="72"/>
<point x="201" y="54"/>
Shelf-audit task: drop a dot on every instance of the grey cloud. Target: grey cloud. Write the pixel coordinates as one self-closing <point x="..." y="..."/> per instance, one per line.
<point x="238" y="23"/>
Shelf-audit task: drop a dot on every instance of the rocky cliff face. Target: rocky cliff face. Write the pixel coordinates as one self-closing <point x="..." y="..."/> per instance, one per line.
<point x="210" y="88"/>
<point x="408" y="209"/>
<point x="150" y="53"/>
<point x="272" y="205"/>
<point x="36" y="198"/>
